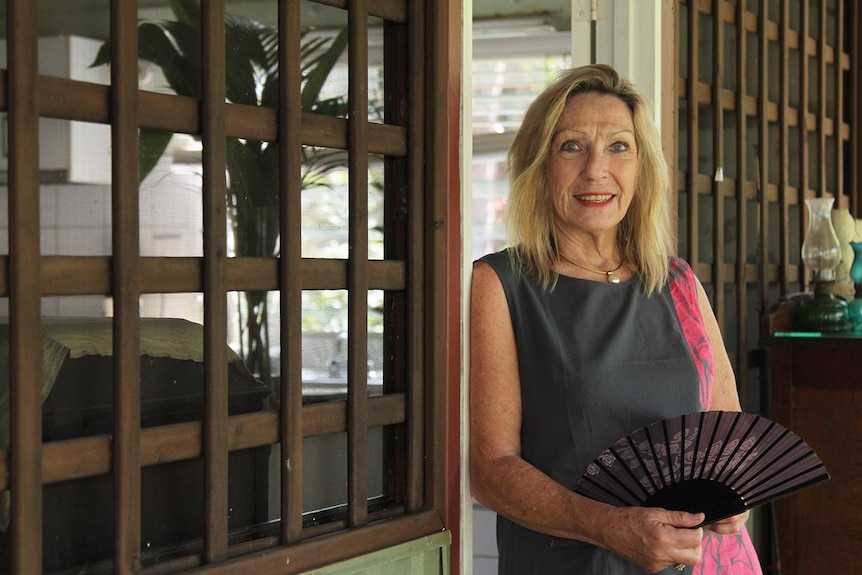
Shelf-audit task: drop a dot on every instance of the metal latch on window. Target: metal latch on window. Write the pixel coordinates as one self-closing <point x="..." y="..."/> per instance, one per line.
<point x="585" y="10"/>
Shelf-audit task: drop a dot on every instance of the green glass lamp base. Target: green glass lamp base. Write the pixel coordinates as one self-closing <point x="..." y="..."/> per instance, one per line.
<point x="824" y="312"/>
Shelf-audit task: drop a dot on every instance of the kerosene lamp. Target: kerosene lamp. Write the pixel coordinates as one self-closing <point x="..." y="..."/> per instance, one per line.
<point x="821" y="254"/>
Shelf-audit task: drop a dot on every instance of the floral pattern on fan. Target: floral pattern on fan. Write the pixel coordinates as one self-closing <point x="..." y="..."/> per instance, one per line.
<point x="716" y="462"/>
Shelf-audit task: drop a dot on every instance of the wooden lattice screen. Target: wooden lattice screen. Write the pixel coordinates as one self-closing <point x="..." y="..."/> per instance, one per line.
<point x="768" y="116"/>
<point x="408" y="141"/>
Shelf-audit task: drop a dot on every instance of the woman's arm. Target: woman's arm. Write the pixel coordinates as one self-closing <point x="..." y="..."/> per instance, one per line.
<point x="509" y="485"/>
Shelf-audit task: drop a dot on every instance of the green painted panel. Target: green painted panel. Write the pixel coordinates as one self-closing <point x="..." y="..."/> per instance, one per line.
<point x="427" y="555"/>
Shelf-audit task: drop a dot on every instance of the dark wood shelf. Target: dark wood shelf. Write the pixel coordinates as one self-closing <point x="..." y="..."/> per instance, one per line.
<point x="815" y="389"/>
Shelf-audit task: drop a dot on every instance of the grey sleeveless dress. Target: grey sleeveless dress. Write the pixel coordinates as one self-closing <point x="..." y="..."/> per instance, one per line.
<point x="597" y="361"/>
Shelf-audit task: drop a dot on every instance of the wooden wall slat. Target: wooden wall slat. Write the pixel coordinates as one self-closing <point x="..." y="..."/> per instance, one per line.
<point x="259" y="124"/>
<point x="669" y="53"/>
<point x="290" y="272"/>
<point x="764" y="147"/>
<point x="741" y="255"/>
<point x="437" y="226"/>
<point x="180" y="441"/>
<point x="838" y="87"/>
<point x="125" y="280"/>
<point x="804" y="102"/>
<point x="357" y="270"/>
<point x="86" y="102"/>
<point x="693" y="128"/>
<point x="78" y="275"/>
<point x="784" y="151"/>
<point x="718" y="185"/>
<point x="416" y="242"/>
<point x="855" y="81"/>
<point x="24" y="291"/>
<point x="215" y="281"/>
<point x="823" y="168"/>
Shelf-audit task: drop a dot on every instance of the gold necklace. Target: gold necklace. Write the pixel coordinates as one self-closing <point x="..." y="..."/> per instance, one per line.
<point x="610" y="275"/>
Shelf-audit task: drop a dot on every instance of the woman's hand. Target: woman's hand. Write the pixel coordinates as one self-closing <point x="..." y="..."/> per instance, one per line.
<point x="729" y="525"/>
<point x="654" y="538"/>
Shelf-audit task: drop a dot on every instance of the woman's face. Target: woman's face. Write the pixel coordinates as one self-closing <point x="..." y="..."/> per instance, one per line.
<point x="593" y="164"/>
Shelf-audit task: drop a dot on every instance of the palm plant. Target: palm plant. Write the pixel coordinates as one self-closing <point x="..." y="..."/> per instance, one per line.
<point x="252" y="78"/>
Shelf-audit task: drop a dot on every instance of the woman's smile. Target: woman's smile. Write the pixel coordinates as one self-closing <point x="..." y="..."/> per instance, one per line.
<point x="595" y="199"/>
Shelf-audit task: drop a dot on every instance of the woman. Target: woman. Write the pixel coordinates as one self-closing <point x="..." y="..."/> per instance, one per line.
<point x="584" y="331"/>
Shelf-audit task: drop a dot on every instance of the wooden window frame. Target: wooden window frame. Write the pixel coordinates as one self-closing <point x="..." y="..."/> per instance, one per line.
<point x="419" y="141"/>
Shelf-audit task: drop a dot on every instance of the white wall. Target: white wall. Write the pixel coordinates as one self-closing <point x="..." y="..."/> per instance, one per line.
<point x="465" y="503"/>
<point x="625" y="34"/>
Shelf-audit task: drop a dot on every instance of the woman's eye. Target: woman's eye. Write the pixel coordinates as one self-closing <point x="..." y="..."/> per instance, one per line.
<point x="570" y="146"/>
<point x="619" y="147"/>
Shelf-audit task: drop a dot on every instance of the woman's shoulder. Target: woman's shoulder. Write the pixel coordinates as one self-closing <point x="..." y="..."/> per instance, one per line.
<point x="678" y="267"/>
<point x="508" y="269"/>
<point x="501" y="262"/>
<point x="494" y="258"/>
<point x="681" y="276"/>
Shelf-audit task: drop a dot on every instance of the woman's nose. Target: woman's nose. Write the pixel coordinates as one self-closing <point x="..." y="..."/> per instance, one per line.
<point x="596" y="167"/>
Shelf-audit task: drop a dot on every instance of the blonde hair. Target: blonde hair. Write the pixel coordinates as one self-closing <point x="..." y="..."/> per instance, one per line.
<point x="644" y="234"/>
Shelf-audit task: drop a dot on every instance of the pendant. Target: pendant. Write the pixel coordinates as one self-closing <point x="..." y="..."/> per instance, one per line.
<point x="613" y="278"/>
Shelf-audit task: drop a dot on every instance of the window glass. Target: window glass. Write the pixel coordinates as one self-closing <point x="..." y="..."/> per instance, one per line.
<point x="77" y="210"/>
<point x="504" y="85"/>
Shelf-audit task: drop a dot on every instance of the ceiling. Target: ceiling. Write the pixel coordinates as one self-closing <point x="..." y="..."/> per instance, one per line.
<point x="556" y="12"/>
<point x="91" y="18"/>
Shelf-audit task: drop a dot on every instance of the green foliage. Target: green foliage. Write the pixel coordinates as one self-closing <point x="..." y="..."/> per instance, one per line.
<point x="251" y="61"/>
<point x="252" y="78"/>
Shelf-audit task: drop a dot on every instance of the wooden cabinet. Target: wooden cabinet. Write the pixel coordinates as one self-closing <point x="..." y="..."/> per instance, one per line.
<point x="78" y="520"/>
<point x="172" y="494"/>
<point x="815" y="389"/>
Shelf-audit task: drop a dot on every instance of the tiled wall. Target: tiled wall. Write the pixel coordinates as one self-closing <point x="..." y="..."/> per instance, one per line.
<point x="484" y="540"/>
<point x="75" y="220"/>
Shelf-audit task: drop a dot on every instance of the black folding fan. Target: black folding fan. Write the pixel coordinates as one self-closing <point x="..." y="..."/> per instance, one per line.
<point x="716" y="462"/>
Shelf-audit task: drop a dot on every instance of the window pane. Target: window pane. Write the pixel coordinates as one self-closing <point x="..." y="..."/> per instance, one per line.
<point x="171" y="199"/>
<point x="752" y="232"/>
<point x="376" y="75"/>
<point x="325" y="475"/>
<point x="490" y="189"/>
<point x="75" y="220"/>
<point x="706" y="154"/>
<point x="753" y="79"/>
<point x="705" y="62"/>
<point x="169" y="48"/>
<point x="253" y="198"/>
<point x="254" y="331"/>
<point x="506" y="79"/>
<point x="326" y="205"/>
<point x="731" y="225"/>
<point x="731" y="49"/>
<point x="325" y="344"/>
<point x="730" y="120"/>
<point x="705" y="229"/>
<point x="682" y="228"/>
<point x="321" y="26"/>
